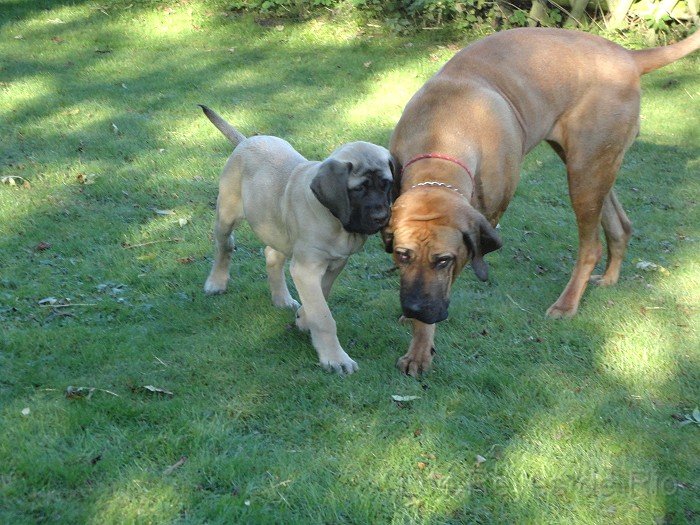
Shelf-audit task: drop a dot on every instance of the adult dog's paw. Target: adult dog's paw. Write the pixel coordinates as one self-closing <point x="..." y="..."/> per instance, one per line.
<point x="416" y="363"/>
<point x="557" y="311"/>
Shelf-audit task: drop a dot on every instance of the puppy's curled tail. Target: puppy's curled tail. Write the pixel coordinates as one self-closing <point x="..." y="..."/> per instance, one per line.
<point x="232" y="134"/>
<point x="654" y="58"/>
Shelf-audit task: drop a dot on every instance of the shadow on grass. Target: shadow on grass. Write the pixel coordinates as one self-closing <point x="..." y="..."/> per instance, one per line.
<point x="568" y="426"/>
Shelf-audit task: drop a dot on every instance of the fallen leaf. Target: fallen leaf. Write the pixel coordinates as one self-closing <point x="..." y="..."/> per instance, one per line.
<point x="11" y="180"/>
<point x="157" y="390"/>
<point x="479" y="460"/>
<point x="163" y="212"/>
<point x="417" y="432"/>
<point x="26" y="411"/>
<point x="175" y="466"/>
<point x="42" y="246"/>
<point x="182" y="221"/>
<point x="422" y="465"/>
<point x="279" y="28"/>
<point x="186" y="260"/>
<point x="88" y="179"/>
<point x="48" y="300"/>
<point x="649" y="266"/>
<point x="403" y="399"/>
<point x="73" y="392"/>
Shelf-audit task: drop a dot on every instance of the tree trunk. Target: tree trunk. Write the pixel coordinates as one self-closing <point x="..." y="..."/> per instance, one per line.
<point x="538" y="14"/>
<point x="577" y="13"/>
<point x="618" y="12"/>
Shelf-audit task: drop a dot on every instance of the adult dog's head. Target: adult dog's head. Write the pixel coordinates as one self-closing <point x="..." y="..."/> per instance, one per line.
<point x="354" y="183"/>
<point x="433" y="233"/>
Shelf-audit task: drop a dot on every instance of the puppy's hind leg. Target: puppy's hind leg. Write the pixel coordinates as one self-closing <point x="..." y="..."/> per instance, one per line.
<point x="229" y="213"/>
<point x="274" y="263"/>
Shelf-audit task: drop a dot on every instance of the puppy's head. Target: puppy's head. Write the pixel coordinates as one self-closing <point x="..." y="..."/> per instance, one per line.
<point x="354" y="183"/>
<point x="432" y="235"/>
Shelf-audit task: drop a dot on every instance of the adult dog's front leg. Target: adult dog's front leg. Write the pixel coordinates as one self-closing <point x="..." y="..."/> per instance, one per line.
<point x="420" y="353"/>
<point x="316" y="316"/>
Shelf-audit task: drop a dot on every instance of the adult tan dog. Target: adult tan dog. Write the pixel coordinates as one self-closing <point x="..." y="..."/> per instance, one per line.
<point x="317" y="213"/>
<point x="460" y="143"/>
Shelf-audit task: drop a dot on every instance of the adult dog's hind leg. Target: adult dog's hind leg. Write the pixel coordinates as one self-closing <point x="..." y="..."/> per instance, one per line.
<point x="618" y="230"/>
<point x="594" y="145"/>
<point x="274" y="263"/>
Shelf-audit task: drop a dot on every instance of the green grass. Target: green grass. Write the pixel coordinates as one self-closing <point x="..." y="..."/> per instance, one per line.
<point x="574" y="418"/>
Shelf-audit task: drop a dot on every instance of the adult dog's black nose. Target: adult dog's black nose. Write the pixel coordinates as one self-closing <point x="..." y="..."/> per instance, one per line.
<point x="423" y="313"/>
<point x="411" y="309"/>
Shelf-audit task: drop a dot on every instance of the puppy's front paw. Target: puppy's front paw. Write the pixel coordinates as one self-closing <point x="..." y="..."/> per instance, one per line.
<point x="215" y="284"/>
<point x="285" y="301"/>
<point x="415" y="362"/>
<point x="340" y="363"/>
<point x="301" y="322"/>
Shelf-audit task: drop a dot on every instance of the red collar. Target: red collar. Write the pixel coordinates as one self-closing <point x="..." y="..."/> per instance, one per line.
<point x="443" y="157"/>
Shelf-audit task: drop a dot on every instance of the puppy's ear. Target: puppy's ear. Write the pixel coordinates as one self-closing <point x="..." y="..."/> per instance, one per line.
<point x="388" y="240"/>
<point x="481" y="238"/>
<point x="330" y="186"/>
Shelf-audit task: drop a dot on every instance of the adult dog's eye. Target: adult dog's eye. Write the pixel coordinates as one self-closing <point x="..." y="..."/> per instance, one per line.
<point x="403" y="256"/>
<point x="384" y="184"/>
<point x="443" y="262"/>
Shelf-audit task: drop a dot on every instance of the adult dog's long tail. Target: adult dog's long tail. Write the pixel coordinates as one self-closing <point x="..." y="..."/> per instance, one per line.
<point x="231" y="133"/>
<point x="656" y="57"/>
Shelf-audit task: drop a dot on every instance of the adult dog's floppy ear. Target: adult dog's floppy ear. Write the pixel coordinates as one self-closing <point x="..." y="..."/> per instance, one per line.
<point x="481" y="238"/>
<point x="330" y="186"/>
<point x="388" y="240"/>
<point x="396" y="175"/>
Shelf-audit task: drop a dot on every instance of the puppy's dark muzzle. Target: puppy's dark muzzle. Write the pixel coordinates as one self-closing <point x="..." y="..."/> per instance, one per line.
<point x="376" y="220"/>
<point x="380" y="215"/>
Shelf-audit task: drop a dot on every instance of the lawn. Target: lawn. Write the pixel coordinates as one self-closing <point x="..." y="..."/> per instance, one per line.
<point x="128" y="396"/>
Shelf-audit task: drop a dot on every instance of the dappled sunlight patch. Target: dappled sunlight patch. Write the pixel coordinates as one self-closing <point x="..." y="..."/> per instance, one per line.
<point x="641" y="354"/>
<point x="319" y="29"/>
<point x="386" y="98"/>
<point x="566" y="466"/>
<point x="424" y="482"/>
<point x="24" y="93"/>
<point x="141" y="498"/>
<point x="648" y="348"/>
